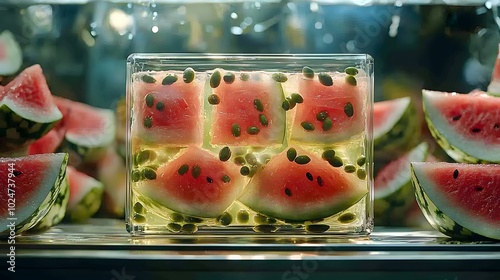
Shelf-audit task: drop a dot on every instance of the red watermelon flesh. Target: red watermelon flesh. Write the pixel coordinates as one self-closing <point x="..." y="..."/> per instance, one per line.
<point x="175" y="115"/>
<point x="467" y="193"/>
<point x="468" y="122"/>
<point x="207" y="195"/>
<point x="333" y="100"/>
<point x="237" y="107"/>
<point x="284" y="189"/>
<point x="387" y="113"/>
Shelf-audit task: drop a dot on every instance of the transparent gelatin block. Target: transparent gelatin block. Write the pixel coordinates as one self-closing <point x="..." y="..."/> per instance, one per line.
<point x="249" y="144"/>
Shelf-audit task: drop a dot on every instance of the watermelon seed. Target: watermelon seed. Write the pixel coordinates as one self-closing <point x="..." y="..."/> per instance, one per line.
<point x="317" y="228"/>
<point x="189" y="228"/>
<point x="291" y="102"/>
<point x="280" y="77"/>
<point x="302" y="160"/>
<point x="244" y="77"/>
<point x="160" y="106"/>
<point x="225" y="219"/>
<point x="325" y="79"/>
<point x="496" y="126"/>
<point x="261" y="219"/>
<point x="150" y="100"/>
<point x="228" y="78"/>
<point x="239" y="160"/>
<point x="361" y="174"/>
<point x="479" y="189"/>
<point x="475" y="130"/>
<point x="336" y="161"/>
<point x="297" y="98"/>
<point x="188" y="75"/>
<point x="183" y="169"/>
<point x="215" y="79"/>
<point x="327" y="124"/>
<point x="328" y="155"/>
<point x="456" y="118"/>
<point x="251" y="159"/>
<point x="242" y="216"/>
<point x="213" y="99"/>
<point x="174" y="227"/>
<point x="349" y="110"/>
<point x="169" y="79"/>
<point x="347" y="218"/>
<point x="236" y="130"/>
<point x="265" y="228"/>
<point x="351" y="71"/>
<point x="189" y="219"/>
<point x="308" y="72"/>
<point x="361" y="161"/>
<point x="136" y="176"/>
<point x="226" y="178"/>
<point x="139" y="218"/>
<point x="285" y="105"/>
<point x="196" y="171"/>
<point x="253" y="130"/>
<point x="349" y="168"/>
<point x="17" y="173"/>
<point x="307" y="126"/>
<point x="149" y="173"/>
<point x="148" y="122"/>
<point x="148" y="79"/>
<point x="309" y="176"/>
<point x="291" y="154"/>
<point x="257" y="104"/>
<point x="138" y="208"/>
<point x="244" y="170"/>
<point x="263" y="120"/>
<point x="176" y="217"/>
<point x="225" y="154"/>
<point x="455" y="174"/>
<point x="351" y="80"/>
<point x="320" y="181"/>
<point x="210" y="180"/>
<point x="288" y="192"/>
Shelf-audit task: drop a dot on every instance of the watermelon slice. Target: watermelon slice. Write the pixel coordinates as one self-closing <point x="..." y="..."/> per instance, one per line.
<point x="329" y="113"/>
<point x="247" y="112"/>
<point x="494" y="86"/>
<point x="11" y="56"/>
<point x="57" y="210"/>
<point x="467" y="126"/>
<point x="460" y="200"/>
<point x="36" y="182"/>
<point x="85" y="196"/>
<point x="27" y="110"/>
<point x="288" y="190"/>
<point x="111" y="171"/>
<point x="167" y="110"/>
<point x="196" y="183"/>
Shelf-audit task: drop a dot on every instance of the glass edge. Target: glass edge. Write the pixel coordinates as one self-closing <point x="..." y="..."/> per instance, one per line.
<point x="134" y="57"/>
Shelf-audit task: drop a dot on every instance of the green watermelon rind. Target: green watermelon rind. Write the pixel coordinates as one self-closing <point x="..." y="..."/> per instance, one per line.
<point x="437" y="218"/>
<point x="26" y="129"/>
<point x="57" y="210"/>
<point x="87" y="206"/>
<point x="456" y="153"/>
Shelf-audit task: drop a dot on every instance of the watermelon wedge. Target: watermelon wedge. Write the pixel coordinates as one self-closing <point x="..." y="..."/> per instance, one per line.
<point x="36" y="183"/>
<point x="111" y="171"/>
<point x="460" y="200"/>
<point x="85" y="196"/>
<point x="293" y="190"/>
<point x="466" y="126"/>
<point x="494" y="86"/>
<point x="11" y="56"/>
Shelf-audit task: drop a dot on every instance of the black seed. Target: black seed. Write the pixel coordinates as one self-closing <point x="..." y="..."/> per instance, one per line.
<point x="242" y="216"/>
<point x="148" y="122"/>
<point x="136" y="175"/>
<point x="327" y="124"/>
<point x="149" y="173"/>
<point x="196" y="171"/>
<point x="308" y="72"/>
<point x="325" y="79"/>
<point x="455" y="174"/>
<point x="257" y="104"/>
<point x="349" y="109"/>
<point x="307" y="126"/>
<point x="139" y="218"/>
<point x="213" y="99"/>
<point x="320" y="181"/>
<point x="215" y="79"/>
<point x="174" y="227"/>
<point x="236" y="130"/>
<point x="251" y="159"/>
<point x="336" y="161"/>
<point x="291" y="154"/>
<point x="138" y="208"/>
<point x="189" y="228"/>
<point x="317" y="228"/>
<point x="291" y="102"/>
<point x="321" y="116"/>
<point x="351" y="71"/>
<point x="150" y="100"/>
<point x="349" y="168"/>
<point x="297" y="98"/>
<point x="361" y="174"/>
<point x="169" y="79"/>
<point x="285" y="105"/>
<point x="265" y="228"/>
<point x="456" y="118"/>
<point x="351" y="80"/>
<point x="239" y="160"/>
<point x="209" y="180"/>
<point x="244" y="170"/>
<point x="228" y="78"/>
<point x="225" y="154"/>
<point x="176" y="217"/>
<point x="183" y="169"/>
<point x="302" y="160"/>
<point x="478" y="189"/>
<point x="496" y="126"/>
<point x="244" y="77"/>
<point x="17" y="173"/>
<point x="190" y="219"/>
<point x="280" y="77"/>
<point x="148" y="79"/>
<point x="263" y="120"/>
<point x="188" y="75"/>
<point x="160" y="106"/>
<point x="225" y="219"/>
<point x="328" y="155"/>
<point x="309" y="176"/>
<point x="288" y="192"/>
<point x="226" y="178"/>
<point x="253" y="130"/>
<point x="475" y="130"/>
<point x="361" y="161"/>
<point x="347" y="218"/>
